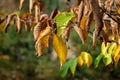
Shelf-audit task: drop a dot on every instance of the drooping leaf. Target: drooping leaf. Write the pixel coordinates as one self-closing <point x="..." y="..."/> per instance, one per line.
<point x="66" y="33"/>
<point x="18" y="24"/>
<point x="104" y="47"/>
<point x="80" y="60"/>
<point x="21" y="4"/>
<point x="43" y="41"/>
<point x="60" y="48"/>
<point x="31" y="5"/>
<point x="107" y="59"/>
<point x="37" y="11"/>
<point x="80" y="12"/>
<point x="71" y="64"/>
<point x="111" y="48"/>
<point x="8" y="20"/>
<point x="62" y="19"/>
<point x="80" y="33"/>
<point x="53" y="13"/>
<point x="116" y="54"/>
<point x="39" y="27"/>
<point x="98" y="21"/>
<point x="87" y="58"/>
<point x="97" y="60"/>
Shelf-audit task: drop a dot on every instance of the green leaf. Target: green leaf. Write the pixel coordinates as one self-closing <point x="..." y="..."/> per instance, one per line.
<point x="107" y="59"/>
<point x="111" y="48"/>
<point x="62" y="20"/>
<point x="97" y="60"/>
<point x="71" y="64"/>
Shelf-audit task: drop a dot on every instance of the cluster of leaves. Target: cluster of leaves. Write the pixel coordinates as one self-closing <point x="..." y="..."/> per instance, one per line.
<point x="56" y="27"/>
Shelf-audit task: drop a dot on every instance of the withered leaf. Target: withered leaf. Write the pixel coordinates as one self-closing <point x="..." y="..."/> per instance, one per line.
<point x="18" y="24"/>
<point x="66" y="33"/>
<point x="53" y="13"/>
<point x="80" y="33"/>
<point x="80" y="12"/>
<point x="42" y="41"/>
<point x="98" y="21"/>
<point x="9" y="18"/>
<point x="37" y="13"/>
<point x="21" y="4"/>
<point x="37" y="30"/>
<point x="31" y="5"/>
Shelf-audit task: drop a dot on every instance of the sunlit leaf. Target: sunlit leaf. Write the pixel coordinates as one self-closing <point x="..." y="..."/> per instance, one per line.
<point x="97" y="60"/>
<point x="80" y="60"/>
<point x="62" y="20"/>
<point x="60" y="48"/>
<point x="87" y="58"/>
<point x="116" y="54"/>
<point x="21" y="4"/>
<point x="107" y="59"/>
<point x="104" y="47"/>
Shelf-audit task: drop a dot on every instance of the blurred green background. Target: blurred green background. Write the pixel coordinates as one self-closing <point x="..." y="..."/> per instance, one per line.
<point x="18" y="60"/>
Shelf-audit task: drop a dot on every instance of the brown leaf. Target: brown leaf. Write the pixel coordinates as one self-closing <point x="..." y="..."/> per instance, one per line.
<point x="43" y="41"/>
<point x="66" y="33"/>
<point x="18" y="24"/>
<point x="37" y="13"/>
<point x="114" y="27"/>
<point x="31" y="6"/>
<point x="41" y="25"/>
<point x="9" y="18"/>
<point x="80" y="12"/>
<point x="53" y="13"/>
<point x="105" y="31"/>
<point x="80" y="33"/>
<point x="98" y="21"/>
<point x="21" y="4"/>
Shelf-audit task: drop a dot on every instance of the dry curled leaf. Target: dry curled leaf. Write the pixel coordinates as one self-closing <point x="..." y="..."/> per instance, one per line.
<point x="80" y="33"/>
<point x="37" y="13"/>
<point x="21" y="4"/>
<point x="31" y="6"/>
<point x="98" y="21"/>
<point x="43" y="41"/>
<point x="80" y="12"/>
<point x="8" y="19"/>
<point x="18" y="24"/>
<point x="41" y="25"/>
<point x="53" y="13"/>
<point x="66" y="33"/>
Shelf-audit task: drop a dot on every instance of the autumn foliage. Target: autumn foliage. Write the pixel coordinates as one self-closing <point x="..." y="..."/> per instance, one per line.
<point x="104" y="16"/>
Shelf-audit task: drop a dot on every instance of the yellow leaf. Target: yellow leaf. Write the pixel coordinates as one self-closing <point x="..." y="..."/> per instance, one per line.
<point x="104" y="47"/>
<point x="87" y="58"/>
<point x="80" y="60"/>
<point x="116" y="54"/>
<point x="60" y="48"/>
